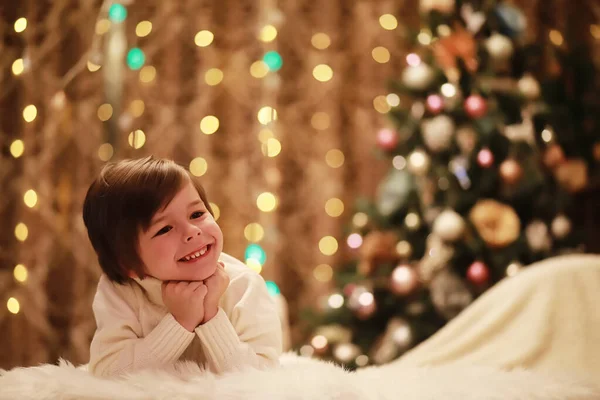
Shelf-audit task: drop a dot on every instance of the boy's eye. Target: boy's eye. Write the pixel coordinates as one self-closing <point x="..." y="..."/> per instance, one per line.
<point x="163" y="230"/>
<point x="197" y="214"/>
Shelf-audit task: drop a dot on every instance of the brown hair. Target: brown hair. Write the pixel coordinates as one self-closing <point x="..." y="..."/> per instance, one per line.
<point x="122" y="201"/>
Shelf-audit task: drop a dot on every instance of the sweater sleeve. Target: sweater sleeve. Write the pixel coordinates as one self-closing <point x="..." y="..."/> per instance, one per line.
<point x="118" y="346"/>
<point x="246" y="332"/>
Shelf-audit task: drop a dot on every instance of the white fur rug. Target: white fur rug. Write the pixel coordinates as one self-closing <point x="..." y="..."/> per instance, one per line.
<point x="297" y="378"/>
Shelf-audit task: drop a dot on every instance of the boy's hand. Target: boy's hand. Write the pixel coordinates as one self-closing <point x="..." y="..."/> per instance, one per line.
<point x="216" y="284"/>
<point x="185" y="300"/>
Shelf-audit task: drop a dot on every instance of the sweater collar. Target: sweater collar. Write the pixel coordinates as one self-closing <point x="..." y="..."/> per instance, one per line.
<point x="152" y="289"/>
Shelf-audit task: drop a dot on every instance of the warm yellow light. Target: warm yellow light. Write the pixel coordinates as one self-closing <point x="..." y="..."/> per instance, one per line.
<point x="18" y="66"/>
<point x="20" y="273"/>
<point x="29" y="113"/>
<point x="21" y="232"/>
<point x="556" y="37"/>
<point x="147" y="74"/>
<point x="266" y="202"/>
<point x="259" y="69"/>
<point x="198" y="166"/>
<point x="105" y="151"/>
<point x="323" y="73"/>
<point x="334" y="158"/>
<point x="254" y="232"/>
<point x="381" y="105"/>
<point x="136" y="108"/>
<point x="30" y="198"/>
<point x="444" y="30"/>
<point x="381" y="54"/>
<point x="319" y="342"/>
<point x="216" y="211"/>
<point x="17" y="148"/>
<point x="595" y="31"/>
<point x="254" y="265"/>
<point x="266" y="115"/>
<point x="204" y="38"/>
<point x="271" y="148"/>
<point x="320" y="41"/>
<point x="137" y="139"/>
<point x="143" y="28"/>
<point x="102" y="26"/>
<point x="323" y="273"/>
<point x="265" y="134"/>
<point x="334" y="207"/>
<point x="320" y="120"/>
<point x="448" y="90"/>
<point x="20" y="25"/>
<point x="424" y="38"/>
<point x="360" y="219"/>
<point x="92" y="66"/>
<point x="388" y="22"/>
<point x="268" y="33"/>
<point x="105" y="111"/>
<point x="209" y="124"/>
<point x="213" y="76"/>
<point x="393" y="100"/>
<point x="13" y="305"/>
<point x="328" y="245"/>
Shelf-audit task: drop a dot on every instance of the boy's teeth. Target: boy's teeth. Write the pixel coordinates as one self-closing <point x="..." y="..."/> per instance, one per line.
<point x="196" y="254"/>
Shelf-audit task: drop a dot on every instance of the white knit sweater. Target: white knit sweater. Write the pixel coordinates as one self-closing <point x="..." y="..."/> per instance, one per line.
<point x="135" y="331"/>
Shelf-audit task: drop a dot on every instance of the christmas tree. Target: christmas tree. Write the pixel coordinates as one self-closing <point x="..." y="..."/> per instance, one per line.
<point x="489" y="139"/>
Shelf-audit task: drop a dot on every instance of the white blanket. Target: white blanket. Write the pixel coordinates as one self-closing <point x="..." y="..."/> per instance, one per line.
<point x="297" y="378"/>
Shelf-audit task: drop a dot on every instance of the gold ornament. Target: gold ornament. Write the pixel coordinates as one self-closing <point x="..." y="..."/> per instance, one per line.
<point x="497" y="224"/>
<point x="572" y="175"/>
<point x="378" y="247"/>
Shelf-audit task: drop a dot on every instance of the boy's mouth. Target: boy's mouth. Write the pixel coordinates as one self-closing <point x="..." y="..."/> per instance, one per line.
<point x="196" y="254"/>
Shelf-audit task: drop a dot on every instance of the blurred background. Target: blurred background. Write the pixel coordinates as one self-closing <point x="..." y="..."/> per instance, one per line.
<point x="381" y="163"/>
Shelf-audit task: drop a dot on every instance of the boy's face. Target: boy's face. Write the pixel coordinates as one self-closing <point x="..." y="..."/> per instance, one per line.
<point x="183" y="242"/>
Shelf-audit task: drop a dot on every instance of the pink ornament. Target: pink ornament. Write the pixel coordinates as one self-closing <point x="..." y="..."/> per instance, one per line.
<point x="485" y="158"/>
<point x="387" y="139"/>
<point x="475" y="106"/>
<point x="435" y="103"/>
<point x="478" y="273"/>
<point x="354" y="241"/>
<point x="404" y="280"/>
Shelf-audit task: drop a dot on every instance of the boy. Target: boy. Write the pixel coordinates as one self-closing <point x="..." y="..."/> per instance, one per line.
<point x="167" y="292"/>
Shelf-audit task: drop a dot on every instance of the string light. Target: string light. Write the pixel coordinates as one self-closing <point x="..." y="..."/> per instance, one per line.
<point x="18" y="67"/>
<point x="29" y="113"/>
<point x="320" y="41"/>
<point x="328" y="245"/>
<point x="254" y="265"/>
<point x="147" y="74"/>
<point x="271" y="148"/>
<point x="354" y="241"/>
<point x="268" y="33"/>
<point x="105" y="112"/>
<point x="444" y="30"/>
<point x="256" y="252"/>
<point x="323" y="73"/>
<point x="388" y="22"/>
<point x="102" y="26"/>
<point x="117" y="13"/>
<point x="361" y="360"/>
<point x="20" y="273"/>
<point x="265" y="134"/>
<point x="424" y="38"/>
<point x="320" y="120"/>
<point x="30" y="198"/>
<point x="198" y="166"/>
<point x="360" y="219"/>
<point x="272" y="288"/>
<point x="21" y="232"/>
<point x="143" y="28"/>
<point x="213" y="76"/>
<point x="20" y="24"/>
<point x="17" y="148"/>
<point x="209" y="124"/>
<point x="334" y="207"/>
<point x="273" y="60"/>
<point x="105" y="151"/>
<point x="259" y="69"/>
<point x="216" y="211"/>
<point x="254" y="232"/>
<point x="266" y="115"/>
<point x="448" y="90"/>
<point x="335" y="301"/>
<point x="266" y="202"/>
<point x="92" y="67"/>
<point x="556" y="37"/>
<point x="381" y="54"/>
<point x="381" y="104"/>
<point x="393" y="100"/>
<point x="204" y="38"/>
<point x="136" y="108"/>
<point x="334" y="158"/>
<point x="323" y="273"/>
<point x="137" y="139"/>
<point x="135" y="58"/>
<point x="13" y="305"/>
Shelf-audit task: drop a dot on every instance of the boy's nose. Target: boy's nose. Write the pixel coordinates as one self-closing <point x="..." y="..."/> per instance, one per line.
<point x="193" y="232"/>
